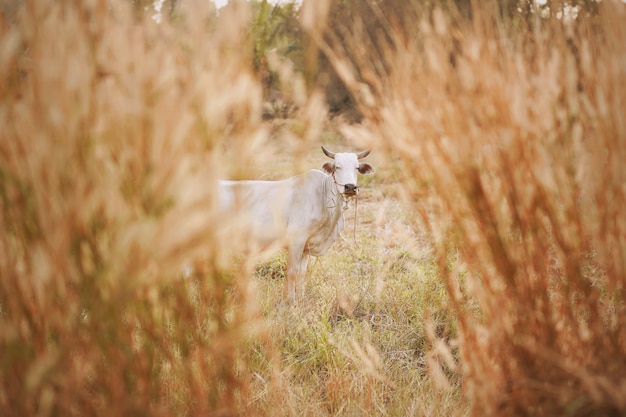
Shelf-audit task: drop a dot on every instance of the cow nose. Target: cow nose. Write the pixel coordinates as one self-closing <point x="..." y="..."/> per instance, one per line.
<point x="350" y="188"/>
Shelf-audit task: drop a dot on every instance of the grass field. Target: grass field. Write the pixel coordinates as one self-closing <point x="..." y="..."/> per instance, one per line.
<point x="484" y="274"/>
<point x="361" y="341"/>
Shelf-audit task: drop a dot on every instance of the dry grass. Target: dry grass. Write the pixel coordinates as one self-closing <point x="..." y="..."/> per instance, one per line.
<point x="488" y="277"/>
<point x="511" y="148"/>
<point x="114" y="129"/>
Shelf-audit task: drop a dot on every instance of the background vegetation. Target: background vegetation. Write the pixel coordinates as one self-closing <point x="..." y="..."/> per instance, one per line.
<point x="484" y="274"/>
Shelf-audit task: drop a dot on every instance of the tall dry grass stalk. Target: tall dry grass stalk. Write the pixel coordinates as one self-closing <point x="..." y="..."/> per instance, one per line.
<point x="511" y="146"/>
<point x="113" y="129"/>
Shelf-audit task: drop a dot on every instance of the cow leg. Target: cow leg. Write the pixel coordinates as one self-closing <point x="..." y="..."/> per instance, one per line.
<point x="302" y="273"/>
<point x="295" y="259"/>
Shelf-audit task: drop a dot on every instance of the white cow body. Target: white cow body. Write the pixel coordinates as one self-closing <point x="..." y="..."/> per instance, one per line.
<point x="304" y="213"/>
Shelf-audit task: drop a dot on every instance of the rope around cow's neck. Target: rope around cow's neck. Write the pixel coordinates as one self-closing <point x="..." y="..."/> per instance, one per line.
<point x="356" y="207"/>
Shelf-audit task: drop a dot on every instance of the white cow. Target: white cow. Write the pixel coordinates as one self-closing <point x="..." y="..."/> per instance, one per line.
<point x="304" y="213"/>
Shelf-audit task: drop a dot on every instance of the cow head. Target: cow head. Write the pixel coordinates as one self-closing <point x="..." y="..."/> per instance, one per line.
<point x="344" y="169"/>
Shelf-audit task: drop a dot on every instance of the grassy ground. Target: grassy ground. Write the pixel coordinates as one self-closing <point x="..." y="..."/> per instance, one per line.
<point x="361" y="340"/>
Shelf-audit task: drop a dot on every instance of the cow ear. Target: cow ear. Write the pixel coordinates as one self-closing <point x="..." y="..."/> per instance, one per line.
<point x="328" y="167"/>
<point x="365" y="168"/>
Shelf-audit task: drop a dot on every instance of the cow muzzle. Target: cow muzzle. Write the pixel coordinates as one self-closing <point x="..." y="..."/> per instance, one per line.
<point x="350" y="189"/>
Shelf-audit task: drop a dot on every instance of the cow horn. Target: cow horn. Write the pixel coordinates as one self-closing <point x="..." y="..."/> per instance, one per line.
<point x="363" y="154"/>
<point x="328" y="153"/>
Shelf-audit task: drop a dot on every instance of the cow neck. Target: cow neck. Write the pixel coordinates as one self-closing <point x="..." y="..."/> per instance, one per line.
<point x="336" y="199"/>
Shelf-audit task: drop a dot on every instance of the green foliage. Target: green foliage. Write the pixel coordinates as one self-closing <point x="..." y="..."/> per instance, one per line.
<point x="275" y="29"/>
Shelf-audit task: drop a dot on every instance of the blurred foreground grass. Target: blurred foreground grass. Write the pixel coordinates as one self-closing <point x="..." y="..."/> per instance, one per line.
<point x="487" y="273"/>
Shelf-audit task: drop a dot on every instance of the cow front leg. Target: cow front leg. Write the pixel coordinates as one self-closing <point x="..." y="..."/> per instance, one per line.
<point x="295" y="260"/>
<point x="302" y="273"/>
